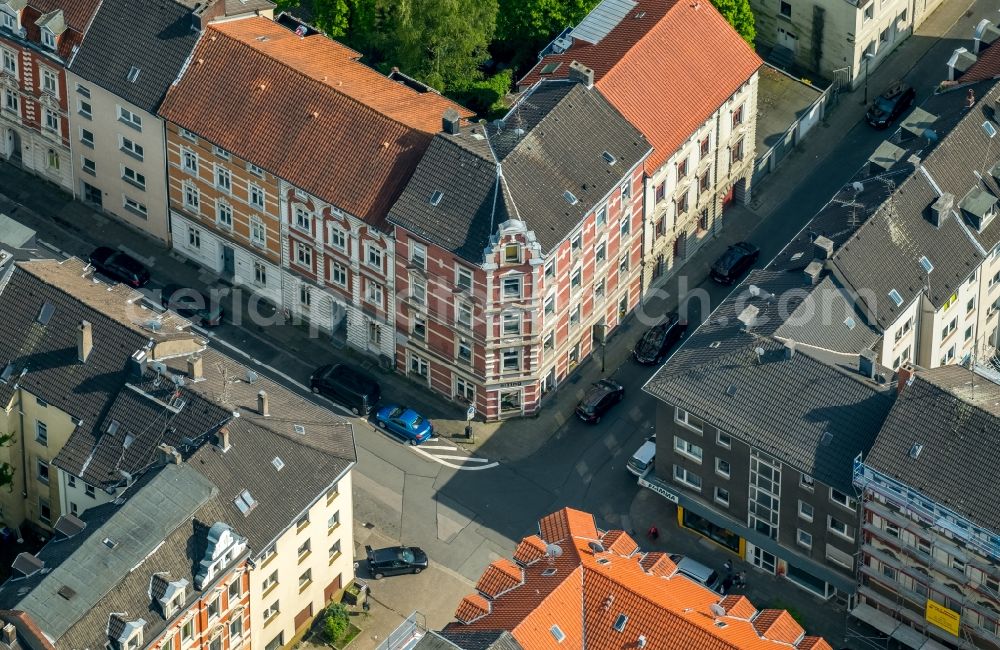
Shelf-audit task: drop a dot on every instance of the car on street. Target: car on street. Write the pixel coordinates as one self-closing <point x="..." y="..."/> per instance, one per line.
<point x="658" y="340"/>
<point x="395" y="560"/>
<point x="599" y="399"/>
<point x="191" y="304"/>
<point x="354" y="389"/>
<point x="643" y="459"/>
<point x="119" y="266"/>
<point x="736" y="261"/>
<point x="406" y="423"/>
<point x="888" y="106"/>
<point x="698" y="572"/>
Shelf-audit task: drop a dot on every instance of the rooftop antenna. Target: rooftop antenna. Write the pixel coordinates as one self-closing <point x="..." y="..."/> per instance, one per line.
<point x="552" y="551"/>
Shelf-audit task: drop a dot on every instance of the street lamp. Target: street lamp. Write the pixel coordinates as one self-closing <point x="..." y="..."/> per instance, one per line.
<point x="868" y="59"/>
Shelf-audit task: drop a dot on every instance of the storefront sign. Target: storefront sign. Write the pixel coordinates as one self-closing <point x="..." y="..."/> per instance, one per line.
<point x="659" y="489"/>
<point x="939" y="615"/>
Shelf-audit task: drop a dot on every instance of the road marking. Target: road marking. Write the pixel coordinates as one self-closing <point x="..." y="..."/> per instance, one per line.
<point x="452" y="465"/>
<point x="467" y="459"/>
<point x="445" y="447"/>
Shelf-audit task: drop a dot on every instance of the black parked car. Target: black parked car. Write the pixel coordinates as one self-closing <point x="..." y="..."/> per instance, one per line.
<point x="890" y="105"/>
<point x="354" y="389"/>
<point x="395" y="560"/>
<point x="119" y="266"/>
<point x="599" y="399"/>
<point x="192" y="304"/>
<point x="737" y="259"/>
<point x="658" y="340"/>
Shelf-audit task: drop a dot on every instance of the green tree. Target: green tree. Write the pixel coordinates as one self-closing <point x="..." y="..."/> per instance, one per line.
<point x="740" y="16"/>
<point x="530" y="23"/>
<point x="336" y="620"/>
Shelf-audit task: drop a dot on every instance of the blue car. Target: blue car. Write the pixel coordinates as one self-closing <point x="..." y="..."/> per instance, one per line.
<point x="405" y="423"/>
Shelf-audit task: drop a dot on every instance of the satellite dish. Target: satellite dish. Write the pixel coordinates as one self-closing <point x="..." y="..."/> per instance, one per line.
<point x="858" y="186"/>
<point x="553" y="550"/>
<point x="251" y="376"/>
<point x="596" y="547"/>
<point x="759" y="351"/>
<point x="717" y="609"/>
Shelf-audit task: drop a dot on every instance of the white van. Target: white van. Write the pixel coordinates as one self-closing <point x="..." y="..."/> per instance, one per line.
<point x="641" y="461"/>
<point x="698" y="572"/>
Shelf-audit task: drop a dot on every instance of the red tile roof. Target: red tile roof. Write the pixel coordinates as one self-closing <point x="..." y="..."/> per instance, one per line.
<point x="531" y="549"/>
<point x="619" y="542"/>
<point x="987" y="65"/>
<point x="306" y="110"/>
<point x="658" y="564"/>
<point x="77" y="14"/>
<point x="500" y="576"/>
<point x="585" y="591"/>
<point x="667" y="66"/>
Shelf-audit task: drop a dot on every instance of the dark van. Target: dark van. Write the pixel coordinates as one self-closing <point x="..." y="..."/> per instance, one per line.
<point x="345" y="385"/>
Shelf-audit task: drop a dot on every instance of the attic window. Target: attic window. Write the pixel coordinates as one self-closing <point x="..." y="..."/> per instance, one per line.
<point x="926" y="263"/>
<point x="559" y="635"/>
<point x="896" y="298"/>
<point x="849" y="322"/>
<point x="133" y="74"/>
<point x="299" y="429"/>
<point x="8" y="370"/>
<point x="245" y="502"/>
<point x="45" y="314"/>
<point x="721" y="624"/>
<point x="549" y="572"/>
<point x="113" y="427"/>
<point x="826" y="438"/>
<point x="66" y="592"/>
<point x="48" y="38"/>
<point x="436" y="197"/>
<point x="731" y="391"/>
<point x="990" y="130"/>
<point x="609" y="158"/>
<point x="110" y="543"/>
<point x="570" y="198"/>
<point x="278" y="463"/>
<point x="549" y="68"/>
<point x="915" y="450"/>
<point x="714" y="344"/>
<point x="620" y="622"/>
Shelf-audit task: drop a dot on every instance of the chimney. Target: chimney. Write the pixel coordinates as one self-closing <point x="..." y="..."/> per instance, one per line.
<point x="789" y="349"/>
<point x="813" y="271"/>
<point x="581" y="73"/>
<point x="941" y="208"/>
<point x="222" y="438"/>
<point x="195" y="367"/>
<point x="168" y="455"/>
<point x="263" y="406"/>
<point x="970" y="98"/>
<point x="867" y="363"/>
<point x="9" y="634"/>
<point x="450" y="122"/>
<point x="904" y="377"/>
<point x="824" y="247"/>
<point x="84" y="341"/>
<point x="137" y="364"/>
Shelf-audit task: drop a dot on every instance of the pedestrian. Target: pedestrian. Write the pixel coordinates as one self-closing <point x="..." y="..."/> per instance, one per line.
<point x="741" y="579"/>
<point x="728" y="566"/>
<point x="653" y="533"/>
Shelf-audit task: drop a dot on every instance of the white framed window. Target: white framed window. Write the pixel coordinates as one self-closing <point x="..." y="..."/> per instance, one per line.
<point x="132" y="205"/>
<point x="623" y="264"/>
<point x="601" y="217"/>
<point x="337" y="238"/>
<point x="512" y="254"/>
<point x="373" y="293"/>
<point x="804" y="539"/>
<point x="463" y="350"/>
<point x="722" y="496"/>
<point x="256" y="196"/>
<point x="511" y="285"/>
<point x="574" y="316"/>
<point x="52" y="158"/>
<point x="220" y="152"/>
<point x="806" y="510"/>
<point x="463" y="313"/>
<point x="48" y="38"/>
<point x="7" y="19"/>
<point x="510" y="360"/>
<point x="51" y="120"/>
<point x="259" y="274"/>
<point x="189" y="161"/>
<point x="842" y="499"/>
<point x="224" y="214"/>
<point x="303" y="255"/>
<point x="550" y="304"/>
<point x="465" y="389"/>
<point x="270" y="612"/>
<point x="129" y="118"/>
<point x="575" y="243"/>
<point x="685" y="419"/>
<point x="550" y="269"/>
<point x="511" y="324"/>
<point x="12" y="102"/>
<point x="724" y="440"/>
<point x="258" y="231"/>
<point x="418" y="290"/>
<point x="133" y="177"/>
<point x="50" y="82"/>
<point x="418" y="327"/>
<point x="463" y="278"/>
<point x="43" y="471"/>
<point x="194" y="237"/>
<point x="686" y="477"/>
<point x="723" y="468"/>
<point x="130" y="147"/>
<point x="303" y="219"/>
<point x="687" y="448"/>
<point x="599" y="289"/>
<point x="187" y="135"/>
<point x="806" y="482"/>
<point x="88" y="165"/>
<point x="255" y="170"/>
<point x="838" y="527"/>
<point x="223" y="178"/>
<point x="338" y="274"/>
<point x="9" y="61"/>
<point x="625" y="226"/>
<point x="419" y="366"/>
<point x="305" y="298"/>
<point x="576" y="278"/>
<point x="601" y="253"/>
<point x="418" y="255"/>
<point x="235" y="629"/>
<point x="373" y="256"/>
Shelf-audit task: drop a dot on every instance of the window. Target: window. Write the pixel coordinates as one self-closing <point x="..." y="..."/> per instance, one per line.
<point x="722" y="467"/>
<point x="89" y="166"/>
<point x="89" y="491"/>
<point x="738" y="116"/>
<point x="11" y="102"/>
<point x="804" y="539"/>
<point x="682" y="170"/>
<point x="255" y="170"/>
<point x="463" y="278"/>
<point x="333" y="521"/>
<point x="511" y="286"/>
<point x="259" y="274"/>
<point x="305" y="297"/>
<point x="625" y="227"/>
<point x="703" y="148"/>
<point x="968" y="333"/>
<point x="192" y="197"/>
<point x="133" y="177"/>
<point x="601" y="254"/>
<point x="575" y="243"/>
<point x="187" y="135"/>
<point x="131" y="148"/>
<point x="220" y="152"/>
<point x="71" y="481"/>
<point x="305" y="579"/>
<point x="599" y="289"/>
<point x="418" y="291"/>
<point x="50" y="82"/>
<point x="785" y="9"/>
<point x="303" y="255"/>
<point x="550" y="304"/>
<point x="511" y="254"/>
<point x="576" y="279"/>
<point x="689" y="449"/>
<point x="338" y="274"/>
<point x="41" y="432"/>
<point x="806" y="482"/>
<point x="43" y="471"/>
<point x="684" y="418"/>
<point x="269" y="582"/>
<point x="235" y="628"/>
<point x="418" y="255"/>
<point x="511" y="324"/>
<point x="948" y="356"/>
<point x="840" y="528"/>
<point x="705" y="182"/>
<point x="550" y="341"/>
<point x="681" y="203"/>
<point x="602" y="216"/>
<point x="223" y="179"/>
<point x="737" y="152"/>
<point x="302" y="523"/>
<point x="511" y="360"/>
<point x="271" y="612"/>
<point x="374" y="256"/>
<point x="187" y="631"/>
<point x="235" y="589"/>
<point x="337" y="238"/>
<point x="660" y="192"/>
<point x="305" y="548"/>
<point x="374" y="294"/>
<point x="842" y="499"/>
<point x="189" y="161"/>
<point x="550" y="269"/>
<point x="334" y="551"/>
<point x="419" y="327"/>
<point x="419" y="366"/>
<point x="224" y="214"/>
<point x="51" y="120"/>
<point x="128" y="117"/>
<point x="626" y="190"/>
<point x="214" y="607"/>
<point x="258" y="231"/>
<point x="971" y="305"/>
<point x="722" y="496"/>
<point x="806" y="511"/>
<point x="53" y="159"/>
<point x="574" y="316"/>
<point x="463" y="312"/>
<point x="884" y="36"/>
<point x="48" y="39"/>
<point x="256" y="195"/>
<point x="869" y="11"/>
<point x="9" y="61"/>
<point x="623" y="264"/>
<point x="688" y="478"/>
<point x="724" y="440"/>
<point x="194" y="237"/>
<point x="464" y="350"/>
<point x="949" y="328"/>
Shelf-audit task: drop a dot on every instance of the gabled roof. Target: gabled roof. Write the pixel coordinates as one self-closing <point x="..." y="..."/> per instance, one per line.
<point x="69" y="27"/>
<point x="543" y="164"/>
<point x="659" y="66"/>
<point x="954" y="415"/>
<point x="255" y="88"/>
<point x="136" y="49"/>
<point x="584" y="592"/>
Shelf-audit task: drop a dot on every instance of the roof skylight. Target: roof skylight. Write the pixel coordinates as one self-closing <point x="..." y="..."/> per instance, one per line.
<point x="436" y="197"/>
<point x="570" y="198"/>
<point x="926" y="263"/>
<point x="896" y="298"/>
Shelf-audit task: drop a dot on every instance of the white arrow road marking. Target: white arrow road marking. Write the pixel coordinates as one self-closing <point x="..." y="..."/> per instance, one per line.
<point x="467" y="459"/>
<point x="445" y="447"/>
<point x="453" y="465"/>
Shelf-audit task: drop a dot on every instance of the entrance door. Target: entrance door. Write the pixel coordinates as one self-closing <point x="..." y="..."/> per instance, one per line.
<point x="787" y="39"/>
<point x="13" y="147"/>
<point x="228" y="261"/>
<point x="763" y="560"/>
<point x="92" y="195"/>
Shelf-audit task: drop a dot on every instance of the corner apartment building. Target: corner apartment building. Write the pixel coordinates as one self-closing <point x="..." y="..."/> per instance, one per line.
<point x="154" y="570"/>
<point x="518" y="247"/>
<point x="254" y="110"/>
<point x="832" y="38"/>
<point x="930" y="554"/>
<point x="656" y="63"/>
<point x="116" y="81"/>
<point x="37" y="40"/>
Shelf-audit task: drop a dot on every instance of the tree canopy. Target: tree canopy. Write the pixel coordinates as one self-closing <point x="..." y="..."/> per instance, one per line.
<point x="740" y="16"/>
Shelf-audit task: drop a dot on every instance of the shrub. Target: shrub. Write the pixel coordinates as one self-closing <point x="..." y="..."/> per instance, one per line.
<point x="336" y="620"/>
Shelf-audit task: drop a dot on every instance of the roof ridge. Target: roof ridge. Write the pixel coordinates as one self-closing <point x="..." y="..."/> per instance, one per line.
<point x="634" y="46"/>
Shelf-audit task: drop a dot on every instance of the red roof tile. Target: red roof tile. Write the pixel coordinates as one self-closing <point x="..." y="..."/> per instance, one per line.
<point x="662" y="70"/>
<point x="987" y="66"/>
<point x="619" y="542"/>
<point x="567" y="523"/>
<point x="77" y="14"/>
<point x="500" y="576"/>
<point x="814" y="643"/>
<point x="738" y="606"/>
<point x="658" y="564"/>
<point x="471" y="608"/>
<point x="531" y="549"/>
<point x="778" y="625"/>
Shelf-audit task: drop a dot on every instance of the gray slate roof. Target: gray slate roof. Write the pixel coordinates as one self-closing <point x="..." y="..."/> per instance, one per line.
<point x="550" y="143"/>
<point x="955" y="414"/>
<point x="154" y="37"/>
<point x="478" y="640"/>
<point x="827" y="319"/>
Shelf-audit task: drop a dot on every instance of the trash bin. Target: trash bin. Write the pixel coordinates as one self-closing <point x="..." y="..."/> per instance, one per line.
<point x="468" y="431"/>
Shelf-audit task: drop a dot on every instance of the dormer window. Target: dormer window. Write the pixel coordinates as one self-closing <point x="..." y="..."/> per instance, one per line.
<point x="48" y="39"/>
<point x="512" y="254"/>
<point x="8" y="20"/>
<point x="125" y="635"/>
<point x="980" y="207"/>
